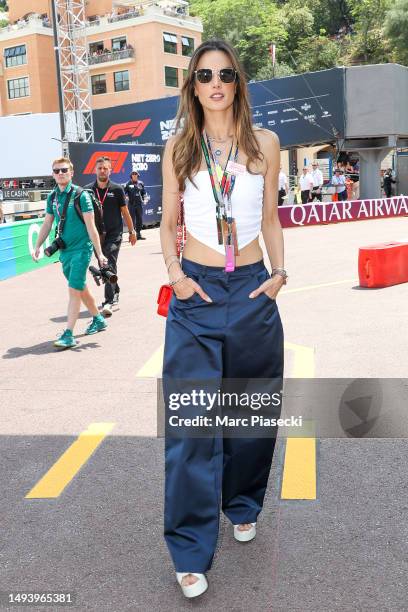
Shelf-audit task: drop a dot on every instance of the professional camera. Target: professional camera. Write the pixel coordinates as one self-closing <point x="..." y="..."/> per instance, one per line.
<point x="55" y="245"/>
<point x="104" y="274"/>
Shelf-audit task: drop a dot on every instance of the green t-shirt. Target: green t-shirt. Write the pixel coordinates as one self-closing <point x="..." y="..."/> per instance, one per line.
<point x="75" y="234"/>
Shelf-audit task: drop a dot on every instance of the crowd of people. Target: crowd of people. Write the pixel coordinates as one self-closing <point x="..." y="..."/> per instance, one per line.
<point x="345" y="181"/>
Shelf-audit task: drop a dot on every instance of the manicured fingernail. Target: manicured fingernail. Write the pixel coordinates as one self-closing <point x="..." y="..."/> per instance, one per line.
<point x="251" y="295"/>
<point x="209" y="299"/>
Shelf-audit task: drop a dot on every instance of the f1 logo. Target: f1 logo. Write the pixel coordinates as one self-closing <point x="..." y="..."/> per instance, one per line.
<point x="131" y="128"/>
<point x="117" y="158"/>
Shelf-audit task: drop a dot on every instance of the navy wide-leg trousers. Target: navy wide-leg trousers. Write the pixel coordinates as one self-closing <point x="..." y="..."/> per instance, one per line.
<point x="233" y="337"/>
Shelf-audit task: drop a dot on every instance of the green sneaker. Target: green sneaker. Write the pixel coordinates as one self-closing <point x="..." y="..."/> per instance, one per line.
<point x="66" y="340"/>
<point x="97" y="324"/>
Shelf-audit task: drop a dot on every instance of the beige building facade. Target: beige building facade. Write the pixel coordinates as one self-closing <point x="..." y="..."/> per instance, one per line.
<point x="136" y="52"/>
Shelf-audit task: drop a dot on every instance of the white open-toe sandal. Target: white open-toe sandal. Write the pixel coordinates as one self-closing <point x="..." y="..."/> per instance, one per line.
<point x="245" y="536"/>
<point x="193" y="590"/>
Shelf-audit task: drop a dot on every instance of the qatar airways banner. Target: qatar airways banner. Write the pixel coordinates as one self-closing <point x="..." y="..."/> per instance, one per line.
<point x="318" y="213"/>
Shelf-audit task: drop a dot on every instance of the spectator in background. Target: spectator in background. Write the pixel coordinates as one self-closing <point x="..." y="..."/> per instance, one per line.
<point x="283" y="186"/>
<point x="349" y="168"/>
<point x="305" y="184"/>
<point x="135" y="192"/>
<point x="388" y="180"/>
<point x="339" y="181"/>
<point x="317" y="182"/>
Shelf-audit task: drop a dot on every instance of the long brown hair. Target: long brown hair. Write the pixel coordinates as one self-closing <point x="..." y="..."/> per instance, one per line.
<point x="190" y="117"/>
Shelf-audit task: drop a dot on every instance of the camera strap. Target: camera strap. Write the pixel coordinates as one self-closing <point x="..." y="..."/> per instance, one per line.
<point x="61" y="222"/>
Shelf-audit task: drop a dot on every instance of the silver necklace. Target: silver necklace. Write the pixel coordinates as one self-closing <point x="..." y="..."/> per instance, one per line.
<point x="219" y="151"/>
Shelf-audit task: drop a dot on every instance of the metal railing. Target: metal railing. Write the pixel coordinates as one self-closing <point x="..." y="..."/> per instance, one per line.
<point x="123" y="16"/>
<point x="112" y="56"/>
<point x="33" y="20"/>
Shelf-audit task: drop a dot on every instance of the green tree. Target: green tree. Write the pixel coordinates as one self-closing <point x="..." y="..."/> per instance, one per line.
<point x="299" y="24"/>
<point x="369" y="44"/>
<point x="396" y="30"/>
<point x="317" y="53"/>
<point x="3" y="5"/>
<point x="249" y="27"/>
<point x="330" y="15"/>
<point x="267" y="71"/>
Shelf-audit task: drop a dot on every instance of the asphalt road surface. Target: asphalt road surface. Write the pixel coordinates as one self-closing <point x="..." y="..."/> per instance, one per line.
<point x="82" y="468"/>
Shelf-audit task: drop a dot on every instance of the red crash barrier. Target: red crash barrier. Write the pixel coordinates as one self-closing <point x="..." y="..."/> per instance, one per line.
<point x="383" y="265"/>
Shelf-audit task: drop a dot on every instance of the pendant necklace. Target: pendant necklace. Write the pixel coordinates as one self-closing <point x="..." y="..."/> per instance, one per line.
<point x="218" y="152"/>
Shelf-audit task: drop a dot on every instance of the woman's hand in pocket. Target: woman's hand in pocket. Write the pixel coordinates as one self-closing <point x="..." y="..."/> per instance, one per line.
<point x="270" y="287"/>
<point x="186" y="288"/>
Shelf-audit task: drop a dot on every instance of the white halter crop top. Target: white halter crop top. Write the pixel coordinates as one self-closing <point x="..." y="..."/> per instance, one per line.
<point x="200" y="208"/>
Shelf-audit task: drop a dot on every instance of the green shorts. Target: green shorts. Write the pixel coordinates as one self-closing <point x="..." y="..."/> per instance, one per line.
<point x="75" y="266"/>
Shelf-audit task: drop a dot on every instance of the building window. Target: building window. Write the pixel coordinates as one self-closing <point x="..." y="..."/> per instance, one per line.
<point x="185" y="73"/>
<point x="118" y="44"/>
<point x="121" y="80"/>
<point x="18" y="88"/>
<point x="15" y="56"/>
<point x="187" y="46"/>
<point x="169" y="42"/>
<point x="98" y="84"/>
<point x="96" y="48"/>
<point x="171" y="76"/>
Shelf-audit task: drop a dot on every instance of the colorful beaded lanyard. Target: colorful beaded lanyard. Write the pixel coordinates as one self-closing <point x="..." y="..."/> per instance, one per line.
<point x="222" y="194"/>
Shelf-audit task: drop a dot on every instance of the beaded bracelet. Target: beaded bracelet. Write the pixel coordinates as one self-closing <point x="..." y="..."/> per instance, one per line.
<point x="178" y="280"/>
<point x="280" y="272"/>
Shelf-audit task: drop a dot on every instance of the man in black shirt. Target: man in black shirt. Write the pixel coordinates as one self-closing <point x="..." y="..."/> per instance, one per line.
<point x="135" y="192"/>
<point x="112" y="199"/>
<point x="388" y="180"/>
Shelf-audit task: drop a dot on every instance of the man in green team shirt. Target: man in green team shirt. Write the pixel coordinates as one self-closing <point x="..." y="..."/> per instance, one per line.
<point x="80" y="239"/>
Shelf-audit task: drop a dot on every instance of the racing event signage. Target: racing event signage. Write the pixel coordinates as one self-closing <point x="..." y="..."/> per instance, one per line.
<point x="17" y="242"/>
<point x="301" y="109"/>
<point x="335" y="212"/>
<point x="125" y="159"/>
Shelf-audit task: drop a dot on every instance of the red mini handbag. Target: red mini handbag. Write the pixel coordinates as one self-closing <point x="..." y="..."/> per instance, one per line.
<point x="165" y="291"/>
<point x="163" y="300"/>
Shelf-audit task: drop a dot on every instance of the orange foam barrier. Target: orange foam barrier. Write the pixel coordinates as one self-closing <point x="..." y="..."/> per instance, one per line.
<point x="383" y="265"/>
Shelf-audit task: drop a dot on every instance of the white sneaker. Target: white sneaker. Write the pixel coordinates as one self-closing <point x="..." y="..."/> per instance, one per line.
<point x="193" y="590"/>
<point x="107" y="310"/>
<point x="245" y="536"/>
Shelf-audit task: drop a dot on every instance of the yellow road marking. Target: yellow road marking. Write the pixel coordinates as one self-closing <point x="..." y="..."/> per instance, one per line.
<point x="304" y="366"/>
<point x="303" y="362"/>
<point x="63" y="471"/>
<point x="296" y="289"/>
<point x="153" y="365"/>
<point x="299" y="469"/>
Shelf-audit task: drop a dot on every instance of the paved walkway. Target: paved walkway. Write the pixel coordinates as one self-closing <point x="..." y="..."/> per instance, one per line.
<point x="89" y="415"/>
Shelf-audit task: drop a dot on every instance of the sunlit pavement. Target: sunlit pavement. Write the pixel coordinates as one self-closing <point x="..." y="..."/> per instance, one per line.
<point x="82" y="468"/>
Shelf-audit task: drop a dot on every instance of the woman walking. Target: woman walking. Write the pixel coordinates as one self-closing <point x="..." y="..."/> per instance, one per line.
<point x="223" y="320"/>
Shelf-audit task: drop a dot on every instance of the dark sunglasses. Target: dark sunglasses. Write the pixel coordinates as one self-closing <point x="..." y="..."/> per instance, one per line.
<point x="58" y="170"/>
<point x="205" y="75"/>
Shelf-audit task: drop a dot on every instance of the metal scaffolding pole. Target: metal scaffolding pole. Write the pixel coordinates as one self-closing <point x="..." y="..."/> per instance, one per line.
<point x="74" y="79"/>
